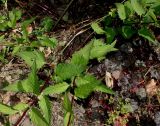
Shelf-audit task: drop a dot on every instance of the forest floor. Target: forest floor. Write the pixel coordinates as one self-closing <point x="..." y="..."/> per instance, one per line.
<point x="133" y="71"/>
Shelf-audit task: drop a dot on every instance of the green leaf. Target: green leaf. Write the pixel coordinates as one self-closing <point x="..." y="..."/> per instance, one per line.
<point x="128" y="32"/>
<point x="84" y="91"/>
<point x="110" y="34"/>
<point x="47" y="24"/>
<point x="121" y="11"/>
<point x="56" y="89"/>
<point x="105" y="89"/>
<point x="66" y="70"/>
<point x="67" y="104"/>
<point x="12" y="21"/>
<point x="16" y="87"/>
<point x="2" y="38"/>
<point x="5" y="109"/>
<point x="99" y="51"/>
<point x="30" y="56"/>
<point x="24" y="26"/>
<point x="84" y="53"/>
<point x="46" y="41"/>
<point x="129" y="9"/>
<point x="68" y="119"/>
<point x="97" y="28"/>
<point x="85" y="85"/>
<point x="45" y="107"/>
<point x="147" y="34"/>
<point x="37" y="118"/>
<point x="137" y="6"/>
<point x="28" y="85"/>
<point x="16" y="49"/>
<point x="80" y="61"/>
<point x="20" y="106"/>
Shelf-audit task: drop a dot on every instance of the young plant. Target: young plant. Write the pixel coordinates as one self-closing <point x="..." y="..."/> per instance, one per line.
<point x="71" y="76"/>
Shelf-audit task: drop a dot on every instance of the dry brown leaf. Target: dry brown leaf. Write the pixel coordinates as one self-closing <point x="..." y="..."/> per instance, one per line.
<point x="109" y="79"/>
<point x="151" y="87"/>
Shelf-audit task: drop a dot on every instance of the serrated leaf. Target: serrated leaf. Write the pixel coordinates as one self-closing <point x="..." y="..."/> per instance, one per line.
<point x="67" y="104"/>
<point x="30" y="56"/>
<point x="97" y="28"/>
<point x="16" y="49"/>
<point x="56" y="89"/>
<point x="127" y="31"/>
<point x="105" y="89"/>
<point x="37" y="118"/>
<point x="28" y="85"/>
<point x="84" y="91"/>
<point x="101" y="50"/>
<point x="84" y="52"/>
<point x="85" y="86"/>
<point x="45" y="107"/>
<point x="129" y="9"/>
<point x="47" y="24"/>
<point x="16" y="87"/>
<point x="137" y="6"/>
<point x="20" y="106"/>
<point x="68" y="70"/>
<point x="5" y="109"/>
<point x="46" y="41"/>
<point x="79" y="61"/>
<point x="121" y="11"/>
<point x="147" y="34"/>
<point x="68" y="119"/>
<point x="110" y="34"/>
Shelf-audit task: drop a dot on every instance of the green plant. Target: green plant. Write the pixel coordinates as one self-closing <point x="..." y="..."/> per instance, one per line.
<point x="70" y="79"/>
<point x="136" y="18"/>
<point x="70" y="76"/>
<point x="119" y="115"/>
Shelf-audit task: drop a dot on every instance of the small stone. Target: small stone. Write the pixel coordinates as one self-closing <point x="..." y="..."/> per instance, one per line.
<point x="94" y="103"/>
<point x="141" y="92"/>
<point x="134" y="105"/>
<point x="157" y="118"/>
<point x="116" y="74"/>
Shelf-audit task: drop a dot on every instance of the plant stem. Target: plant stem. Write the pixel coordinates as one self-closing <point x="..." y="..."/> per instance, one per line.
<point x="33" y="102"/>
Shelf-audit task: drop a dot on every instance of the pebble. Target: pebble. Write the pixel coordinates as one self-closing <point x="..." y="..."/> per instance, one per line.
<point x="141" y="93"/>
<point x="157" y="118"/>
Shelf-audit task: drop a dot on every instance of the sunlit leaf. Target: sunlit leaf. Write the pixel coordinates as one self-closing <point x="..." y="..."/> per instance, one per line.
<point x="68" y="70"/>
<point x="100" y="50"/>
<point x="47" y="24"/>
<point x="97" y="28"/>
<point x="138" y="7"/>
<point x="56" y="89"/>
<point x="104" y="88"/>
<point x="30" y="84"/>
<point x="37" y="118"/>
<point x="30" y="56"/>
<point x="20" y="106"/>
<point x="45" y="107"/>
<point x="68" y="119"/>
<point x="67" y="105"/>
<point x="46" y="41"/>
<point x="121" y="11"/>
<point x="5" y="109"/>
